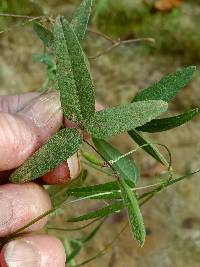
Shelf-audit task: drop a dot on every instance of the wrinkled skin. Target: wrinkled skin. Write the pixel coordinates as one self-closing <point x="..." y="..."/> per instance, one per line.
<point x="27" y="121"/>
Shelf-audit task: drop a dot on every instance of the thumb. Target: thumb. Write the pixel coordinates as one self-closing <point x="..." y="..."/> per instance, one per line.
<point x="33" y="251"/>
<point x="23" y="133"/>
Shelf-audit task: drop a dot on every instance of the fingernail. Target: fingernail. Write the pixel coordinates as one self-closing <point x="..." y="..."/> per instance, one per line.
<point x="74" y="166"/>
<point x="65" y="172"/>
<point x="19" y="253"/>
<point x="6" y="211"/>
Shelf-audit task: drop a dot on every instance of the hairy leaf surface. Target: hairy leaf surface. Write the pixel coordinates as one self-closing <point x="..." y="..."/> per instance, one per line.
<point x="80" y="19"/>
<point x="43" y="33"/>
<point x="59" y="148"/>
<point x="120" y="119"/>
<point x="134" y="213"/>
<point x="74" y="81"/>
<point x="168" y="87"/>
<point x="159" y="125"/>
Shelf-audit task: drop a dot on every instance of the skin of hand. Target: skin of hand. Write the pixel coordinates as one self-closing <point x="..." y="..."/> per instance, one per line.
<point x="27" y="121"/>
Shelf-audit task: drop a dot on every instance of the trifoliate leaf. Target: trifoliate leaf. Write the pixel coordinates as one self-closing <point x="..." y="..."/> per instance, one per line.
<point x="80" y="19"/>
<point x="159" y="125"/>
<point x="126" y="168"/>
<point x="168" y="87"/>
<point x="74" y="81"/>
<point x="44" y="34"/>
<point x="59" y="148"/>
<point x="147" y="146"/>
<point x="120" y="119"/>
<point x="135" y="216"/>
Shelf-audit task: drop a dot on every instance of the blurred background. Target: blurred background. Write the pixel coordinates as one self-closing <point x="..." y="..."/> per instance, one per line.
<point x="173" y="217"/>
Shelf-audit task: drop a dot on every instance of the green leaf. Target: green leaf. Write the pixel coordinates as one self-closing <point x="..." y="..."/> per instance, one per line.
<point x="126" y="168"/>
<point x="110" y="190"/>
<point x="92" y="158"/>
<point x="120" y="119"/>
<point x="43" y="33"/>
<point x="148" y="147"/>
<point x="80" y="19"/>
<point x="74" y="81"/>
<point x="46" y="59"/>
<point x="95" y="195"/>
<point x="100" y="212"/>
<point x="135" y="216"/>
<point x="159" y="125"/>
<point x="168" y="87"/>
<point x="98" y="188"/>
<point x="58" y="149"/>
<point x="74" y="252"/>
<point x="100" y="6"/>
<point x="49" y="61"/>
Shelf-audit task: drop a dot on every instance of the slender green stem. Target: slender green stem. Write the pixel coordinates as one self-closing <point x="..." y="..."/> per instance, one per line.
<point x="104" y="251"/>
<point x="73" y="229"/>
<point x="167" y="183"/>
<point x="68" y="249"/>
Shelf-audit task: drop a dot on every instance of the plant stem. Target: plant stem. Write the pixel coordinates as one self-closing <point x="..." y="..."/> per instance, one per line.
<point x="118" y="43"/>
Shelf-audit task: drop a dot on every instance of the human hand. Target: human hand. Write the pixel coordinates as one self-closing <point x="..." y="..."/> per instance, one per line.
<point x="26" y="122"/>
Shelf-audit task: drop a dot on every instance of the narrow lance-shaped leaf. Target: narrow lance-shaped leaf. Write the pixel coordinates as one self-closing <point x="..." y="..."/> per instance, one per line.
<point x="120" y="119"/>
<point x="58" y="149"/>
<point x="79" y="24"/>
<point x="105" y="187"/>
<point x="80" y="19"/>
<point x="76" y="249"/>
<point x="74" y="81"/>
<point x="126" y="168"/>
<point x="44" y="34"/>
<point x="112" y="194"/>
<point x="159" y="125"/>
<point x="135" y="216"/>
<point x="110" y="190"/>
<point x="99" y="7"/>
<point x="147" y="146"/>
<point x="168" y="87"/>
<point x="100" y="212"/>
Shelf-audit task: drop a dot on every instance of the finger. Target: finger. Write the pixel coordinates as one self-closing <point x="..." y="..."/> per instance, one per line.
<point x="22" y="134"/>
<point x="20" y="204"/>
<point x="64" y="173"/>
<point x="13" y="103"/>
<point x="33" y="251"/>
<point x="45" y="113"/>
